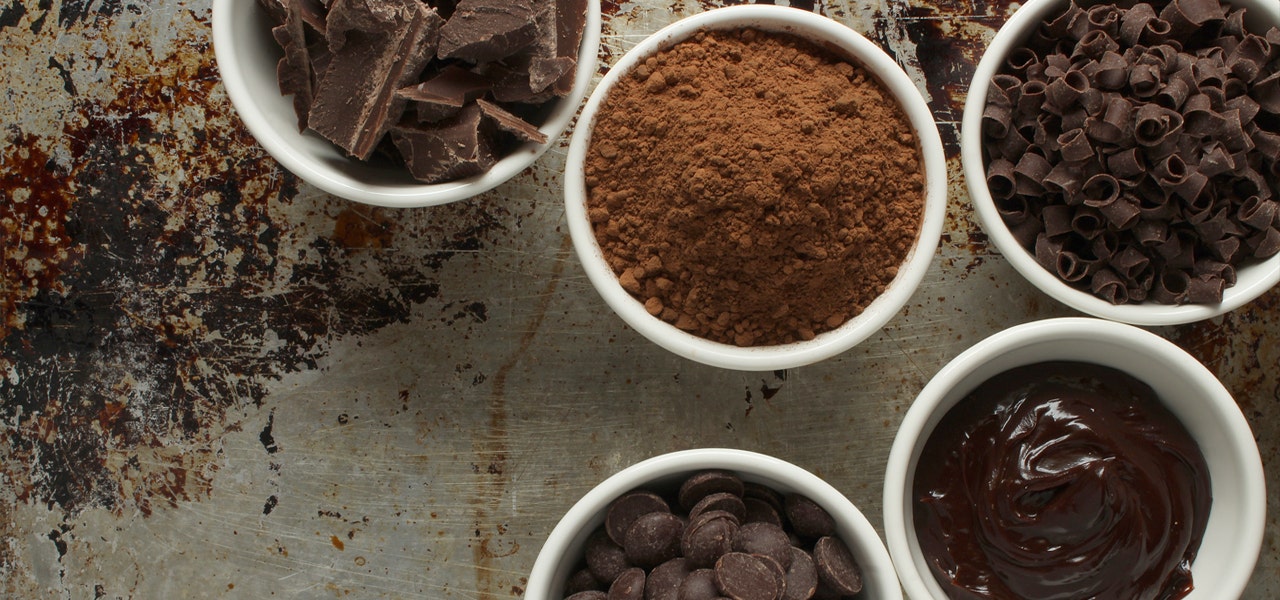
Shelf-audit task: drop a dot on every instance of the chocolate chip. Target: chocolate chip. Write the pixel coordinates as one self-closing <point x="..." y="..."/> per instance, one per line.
<point x="605" y="559"/>
<point x="627" y="508"/>
<point x="699" y="585"/>
<point x="765" y="539"/>
<point x="760" y="511"/>
<point x="807" y="518"/>
<point x="628" y="586"/>
<point x="725" y="501"/>
<point x="664" y="581"/>
<point x="653" y="538"/>
<point x="801" y="577"/>
<point x="836" y="566"/>
<point x="589" y="595"/>
<point x="742" y="576"/>
<point x="705" y="483"/>
<point x="708" y="537"/>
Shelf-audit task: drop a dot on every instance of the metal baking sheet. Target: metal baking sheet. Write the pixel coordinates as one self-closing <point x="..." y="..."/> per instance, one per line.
<point x="216" y="381"/>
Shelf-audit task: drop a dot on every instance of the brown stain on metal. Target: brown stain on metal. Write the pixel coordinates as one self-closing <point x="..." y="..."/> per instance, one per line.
<point x="337" y="543"/>
<point x="494" y="448"/>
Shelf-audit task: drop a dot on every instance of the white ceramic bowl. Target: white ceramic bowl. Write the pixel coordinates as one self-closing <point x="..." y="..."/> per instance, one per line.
<point x="1233" y="537"/>
<point x="1252" y="281"/>
<point x="247" y="55"/>
<point x="833" y="36"/>
<point x="563" y="551"/>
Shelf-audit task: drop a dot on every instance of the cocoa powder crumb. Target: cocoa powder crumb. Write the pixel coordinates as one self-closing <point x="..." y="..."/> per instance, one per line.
<point x="752" y="188"/>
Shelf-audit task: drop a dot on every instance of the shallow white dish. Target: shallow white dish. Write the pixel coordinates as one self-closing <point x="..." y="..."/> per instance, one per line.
<point x="563" y="549"/>
<point x="1233" y="536"/>
<point x="1251" y="281"/>
<point x="826" y="33"/>
<point x="247" y="55"/>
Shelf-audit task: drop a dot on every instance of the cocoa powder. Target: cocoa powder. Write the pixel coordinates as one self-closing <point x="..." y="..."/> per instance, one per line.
<point x="752" y="188"/>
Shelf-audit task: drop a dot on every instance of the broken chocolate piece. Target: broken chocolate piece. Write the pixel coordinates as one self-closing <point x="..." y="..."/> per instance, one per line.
<point x="441" y="96"/>
<point x="378" y="46"/>
<point x="511" y="123"/>
<point x="294" y="69"/>
<point x="450" y="150"/>
<point x="488" y="30"/>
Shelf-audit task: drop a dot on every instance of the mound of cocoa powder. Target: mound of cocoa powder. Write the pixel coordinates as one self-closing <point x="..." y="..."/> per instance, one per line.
<point x="752" y="188"/>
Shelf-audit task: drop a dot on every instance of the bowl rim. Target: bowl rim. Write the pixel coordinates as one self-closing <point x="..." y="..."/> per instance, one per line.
<point x="942" y="392"/>
<point x="281" y="142"/>
<point x="826" y="345"/>
<point x="869" y="545"/>
<point x="1252" y="280"/>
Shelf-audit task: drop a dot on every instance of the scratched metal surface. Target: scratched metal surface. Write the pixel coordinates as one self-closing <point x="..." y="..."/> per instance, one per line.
<point x="217" y="382"/>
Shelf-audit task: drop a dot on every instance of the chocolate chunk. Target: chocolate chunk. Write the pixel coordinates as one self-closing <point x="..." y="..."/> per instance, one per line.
<point x="836" y="566"/>
<point x="294" y="69"/>
<point x="653" y="538"/>
<point x="605" y="559"/>
<point x="664" y="581"/>
<point x="628" y="586"/>
<point x="489" y="30"/>
<point x="766" y="539"/>
<point x="706" y="483"/>
<point x="378" y="46"/>
<point x="510" y="123"/>
<point x="442" y="95"/>
<point x="743" y="576"/>
<point x="628" y="507"/>
<point x="452" y="149"/>
<point x="808" y="518"/>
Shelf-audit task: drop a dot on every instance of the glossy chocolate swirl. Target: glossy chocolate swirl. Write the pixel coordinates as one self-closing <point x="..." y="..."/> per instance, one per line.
<point x="1059" y="481"/>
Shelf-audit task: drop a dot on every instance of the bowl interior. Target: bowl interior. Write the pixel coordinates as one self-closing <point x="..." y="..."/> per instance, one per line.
<point x="564" y="547"/>
<point x="1233" y="535"/>
<point x="841" y="41"/>
<point x="247" y="57"/>
<point x="1252" y="279"/>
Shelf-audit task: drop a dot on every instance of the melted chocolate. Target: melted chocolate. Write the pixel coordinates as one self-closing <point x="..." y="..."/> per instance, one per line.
<point x="1061" y="480"/>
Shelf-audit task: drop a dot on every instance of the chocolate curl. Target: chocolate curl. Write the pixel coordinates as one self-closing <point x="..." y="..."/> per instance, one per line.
<point x="1031" y="97"/>
<point x="1248" y="108"/>
<point x="1094" y="101"/>
<point x="1100" y="189"/>
<point x="1145" y="80"/>
<point x="1178" y="250"/>
<point x="1249" y="182"/>
<point x="1129" y="262"/>
<point x="1063" y="92"/>
<point x="1248" y="58"/>
<point x="1057" y="220"/>
<point x="1013" y="145"/>
<point x="1213" y="228"/>
<point x="1198" y="117"/>
<point x="1000" y="179"/>
<point x="1088" y="223"/>
<point x="1267" y="93"/>
<point x="1235" y="87"/>
<point x="1126" y="165"/>
<point x="1221" y="270"/>
<point x="1134" y="21"/>
<point x="1065" y="178"/>
<point x="1029" y="174"/>
<point x="1117" y="121"/>
<point x="1045" y="133"/>
<point x="1075" y="146"/>
<point x="1121" y="213"/>
<point x="1105" y="246"/>
<point x="1233" y="25"/>
<point x="1169" y="172"/>
<point x="1191" y="186"/>
<point x="1153" y="124"/>
<point x="1059" y="26"/>
<point x="1019" y="59"/>
<point x="996" y="120"/>
<point x="1150" y="233"/>
<point x="1173" y="94"/>
<point x="1013" y="209"/>
<point x="1025" y="233"/>
<point x="1072" y="120"/>
<point x="1107" y="285"/>
<point x="1216" y="161"/>
<point x="1187" y="16"/>
<point x="1006" y="89"/>
<point x="1226" y="249"/>
<point x="1209" y="71"/>
<point x="1205" y="289"/>
<point x="1171" y="287"/>
<point x="1072" y="268"/>
<point x="1264" y="244"/>
<point x="1105" y="18"/>
<point x="1047" y="250"/>
<point x="1112" y="72"/>
<point x="1232" y="134"/>
<point x="1156" y="31"/>
<point x="1094" y="44"/>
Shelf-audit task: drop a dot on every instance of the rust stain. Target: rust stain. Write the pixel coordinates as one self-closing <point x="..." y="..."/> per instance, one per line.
<point x="337" y="543"/>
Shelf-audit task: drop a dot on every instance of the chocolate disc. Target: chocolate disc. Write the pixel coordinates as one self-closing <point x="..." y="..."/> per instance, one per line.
<point x="627" y="508"/>
<point x="664" y="580"/>
<point x="628" y="586"/>
<point x="699" y="585"/>
<point x="761" y="511"/>
<point x="802" y="577"/>
<point x="706" y="540"/>
<point x="836" y="566"/>
<point x="807" y="518"/>
<point x="605" y="559"/>
<point x="653" y="539"/>
<point x="705" y="483"/>
<point x="724" y="501"/>
<point x="765" y="539"/>
<point x="743" y="576"/>
<point x="589" y="595"/>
